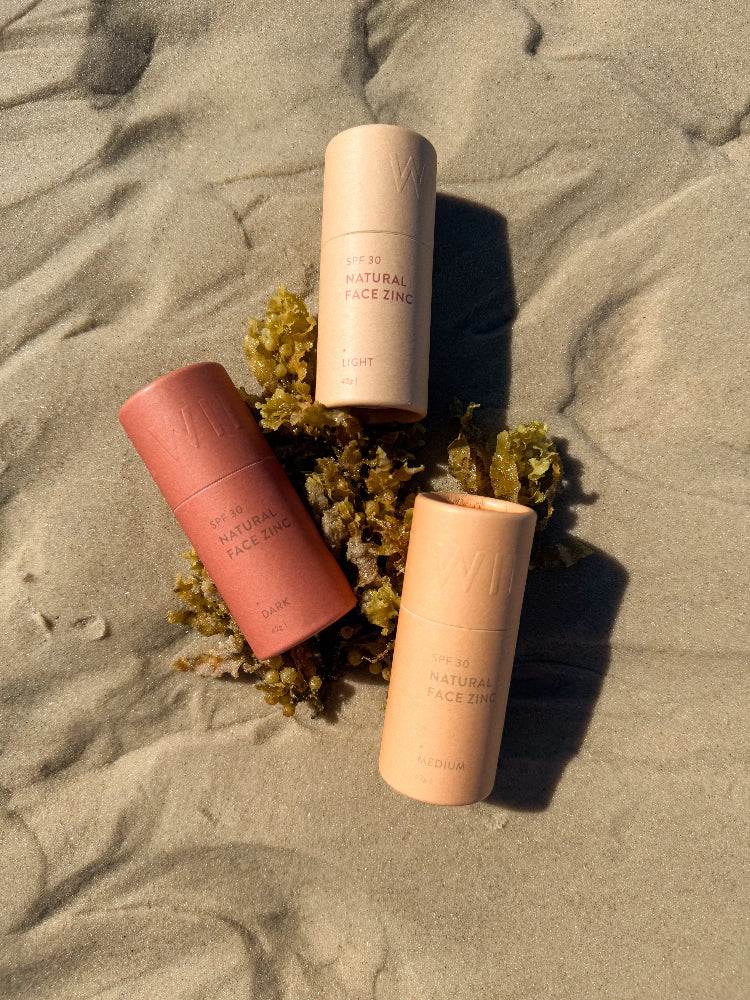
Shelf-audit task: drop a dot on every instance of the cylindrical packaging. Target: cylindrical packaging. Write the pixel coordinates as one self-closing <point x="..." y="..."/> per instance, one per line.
<point x="376" y="272"/>
<point x="237" y="507"/>
<point x="460" y="607"/>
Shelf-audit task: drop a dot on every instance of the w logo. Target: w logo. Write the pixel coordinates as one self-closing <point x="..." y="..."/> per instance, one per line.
<point x="480" y="570"/>
<point x="402" y="174"/>
<point x="192" y="426"/>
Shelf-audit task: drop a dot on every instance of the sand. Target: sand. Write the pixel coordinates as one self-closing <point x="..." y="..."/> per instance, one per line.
<point x="166" y="835"/>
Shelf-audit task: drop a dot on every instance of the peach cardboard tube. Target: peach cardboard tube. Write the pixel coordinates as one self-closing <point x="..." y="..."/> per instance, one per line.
<point x="237" y="507"/>
<point x="376" y="272"/>
<point x="461" y="604"/>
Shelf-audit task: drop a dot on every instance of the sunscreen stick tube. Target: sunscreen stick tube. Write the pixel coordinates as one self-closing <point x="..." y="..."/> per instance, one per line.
<point x="237" y="507"/>
<point x="376" y="273"/>
<point x="460" y="608"/>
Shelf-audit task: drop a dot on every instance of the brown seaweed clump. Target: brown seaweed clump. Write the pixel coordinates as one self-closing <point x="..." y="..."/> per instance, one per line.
<point x="524" y="467"/>
<point x="359" y="483"/>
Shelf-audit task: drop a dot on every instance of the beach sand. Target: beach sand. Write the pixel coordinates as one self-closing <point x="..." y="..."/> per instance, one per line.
<point x="166" y="835"/>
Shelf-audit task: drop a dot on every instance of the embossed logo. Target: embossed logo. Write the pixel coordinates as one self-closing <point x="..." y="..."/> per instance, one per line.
<point x="193" y="425"/>
<point x="484" y="570"/>
<point x="402" y="174"/>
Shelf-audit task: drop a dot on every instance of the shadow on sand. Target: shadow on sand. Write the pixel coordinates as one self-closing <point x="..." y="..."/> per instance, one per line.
<point x="568" y="613"/>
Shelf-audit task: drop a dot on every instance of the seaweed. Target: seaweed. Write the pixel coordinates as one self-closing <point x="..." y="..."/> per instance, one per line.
<point x="525" y="466"/>
<point x="468" y="457"/>
<point x="359" y="483"/>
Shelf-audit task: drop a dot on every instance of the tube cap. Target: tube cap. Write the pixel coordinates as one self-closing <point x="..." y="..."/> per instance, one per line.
<point x="467" y="561"/>
<point x="192" y="428"/>
<point x="368" y="170"/>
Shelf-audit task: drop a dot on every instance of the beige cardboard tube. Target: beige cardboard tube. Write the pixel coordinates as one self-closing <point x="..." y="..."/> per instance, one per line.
<point x="376" y="272"/>
<point x="461" y="604"/>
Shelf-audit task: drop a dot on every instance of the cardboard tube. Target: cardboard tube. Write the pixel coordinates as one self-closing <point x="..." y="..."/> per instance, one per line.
<point x="460" y="607"/>
<point x="237" y="507"/>
<point x="376" y="272"/>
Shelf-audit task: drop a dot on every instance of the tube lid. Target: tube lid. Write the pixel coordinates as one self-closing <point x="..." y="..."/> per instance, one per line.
<point x="192" y="428"/>
<point x="467" y="560"/>
<point x="380" y="178"/>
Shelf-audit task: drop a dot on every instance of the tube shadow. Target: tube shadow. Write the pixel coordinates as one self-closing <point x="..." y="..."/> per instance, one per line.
<point x="568" y="614"/>
<point x="562" y="656"/>
<point x="473" y="306"/>
<point x="561" y="659"/>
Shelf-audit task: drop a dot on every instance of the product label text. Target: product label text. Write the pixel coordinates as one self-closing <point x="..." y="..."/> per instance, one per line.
<point x="249" y="531"/>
